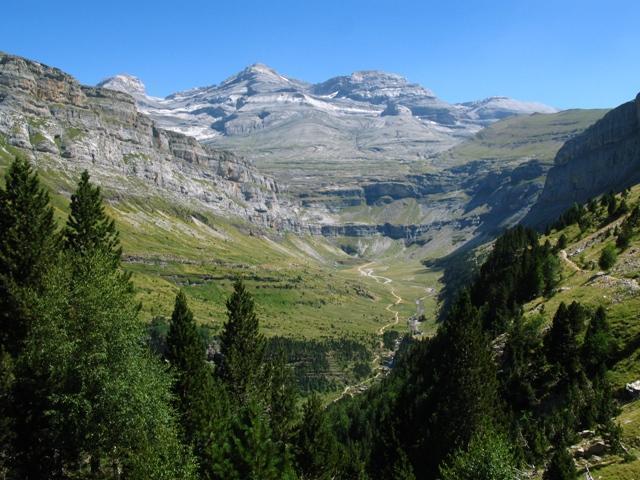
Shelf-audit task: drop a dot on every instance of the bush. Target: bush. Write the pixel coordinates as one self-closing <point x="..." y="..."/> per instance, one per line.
<point x="608" y="257"/>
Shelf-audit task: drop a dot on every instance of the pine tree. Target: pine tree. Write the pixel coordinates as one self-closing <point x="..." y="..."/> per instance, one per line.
<point x="282" y="398"/>
<point x="249" y="450"/>
<point x="561" y="341"/>
<point x="598" y="344"/>
<point x="6" y="420"/>
<point x="241" y="345"/>
<point x="608" y="257"/>
<point x="193" y="388"/>
<point x="28" y="245"/>
<point x="466" y="389"/>
<point x="488" y="457"/>
<point x="88" y="227"/>
<point x="316" y="449"/>
<point x="561" y="466"/>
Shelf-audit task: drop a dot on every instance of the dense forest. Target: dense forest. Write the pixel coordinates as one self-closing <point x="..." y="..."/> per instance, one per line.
<point x="86" y="391"/>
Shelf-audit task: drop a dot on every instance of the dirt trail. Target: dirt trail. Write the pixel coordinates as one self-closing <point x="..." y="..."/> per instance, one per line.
<point x="366" y="271"/>
<point x="630" y="283"/>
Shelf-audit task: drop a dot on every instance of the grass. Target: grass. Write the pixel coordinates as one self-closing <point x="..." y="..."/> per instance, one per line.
<point x="537" y="136"/>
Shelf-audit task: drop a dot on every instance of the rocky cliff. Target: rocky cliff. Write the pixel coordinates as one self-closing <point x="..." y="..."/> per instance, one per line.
<point x="604" y="157"/>
<point x="67" y="127"/>
<point x="354" y="126"/>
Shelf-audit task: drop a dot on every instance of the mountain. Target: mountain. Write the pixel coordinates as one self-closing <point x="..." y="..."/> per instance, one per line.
<point x="65" y="127"/>
<point x="604" y="157"/>
<point x="369" y="124"/>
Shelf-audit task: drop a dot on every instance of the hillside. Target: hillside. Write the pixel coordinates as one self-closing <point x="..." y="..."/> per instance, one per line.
<point x="616" y="289"/>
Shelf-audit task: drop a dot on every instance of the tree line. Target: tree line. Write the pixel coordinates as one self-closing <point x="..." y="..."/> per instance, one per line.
<point x="82" y="395"/>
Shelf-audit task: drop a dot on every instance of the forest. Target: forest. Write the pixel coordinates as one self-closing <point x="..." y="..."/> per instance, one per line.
<point x="87" y="391"/>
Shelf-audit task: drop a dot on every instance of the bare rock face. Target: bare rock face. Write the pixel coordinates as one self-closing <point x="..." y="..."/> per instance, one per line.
<point x="604" y="157"/>
<point x="68" y="127"/>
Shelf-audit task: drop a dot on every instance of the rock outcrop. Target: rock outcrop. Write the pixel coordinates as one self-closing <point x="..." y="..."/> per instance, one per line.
<point x="604" y="157"/>
<point x="68" y="127"/>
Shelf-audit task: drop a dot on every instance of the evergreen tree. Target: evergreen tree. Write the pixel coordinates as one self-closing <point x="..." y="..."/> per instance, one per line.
<point x="561" y="466"/>
<point x="598" y="344"/>
<point x="561" y="341"/>
<point x="104" y="400"/>
<point x="249" y="451"/>
<point x="466" y="388"/>
<point x="28" y="245"/>
<point x="608" y="257"/>
<point x="488" y="457"/>
<point x="88" y="227"/>
<point x="241" y="345"/>
<point x="562" y="242"/>
<point x="282" y="398"/>
<point x="6" y="420"/>
<point x="193" y="387"/>
<point x="316" y="450"/>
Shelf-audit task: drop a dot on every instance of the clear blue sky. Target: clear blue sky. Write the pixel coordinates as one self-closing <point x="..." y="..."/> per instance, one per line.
<point x="567" y="53"/>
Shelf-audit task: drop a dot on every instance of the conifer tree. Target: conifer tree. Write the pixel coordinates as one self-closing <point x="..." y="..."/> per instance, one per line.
<point x="488" y="457"/>
<point x="193" y="388"/>
<point x="88" y="227"/>
<point x="241" y="345"/>
<point x="598" y="344"/>
<point x="466" y="388"/>
<point x="316" y="449"/>
<point x="106" y="398"/>
<point x="561" y="466"/>
<point x="561" y="341"/>
<point x="608" y="257"/>
<point x="282" y="398"/>
<point x="249" y="450"/>
<point x="28" y="245"/>
<point x="6" y="420"/>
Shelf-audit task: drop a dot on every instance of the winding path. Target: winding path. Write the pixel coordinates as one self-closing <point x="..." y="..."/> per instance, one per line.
<point x="366" y="271"/>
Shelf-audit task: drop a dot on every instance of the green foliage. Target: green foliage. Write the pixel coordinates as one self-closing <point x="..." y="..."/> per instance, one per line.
<point x="517" y="270"/>
<point x="561" y="342"/>
<point x="6" y="420"/>
<point x="561" y="466"/>
<point x="241" y="345"/>
<point x="88" y="227"/>
<point x="316" y="449"/>
<point x="90" y="388"/>
<point x="608" y="257"/>
<point x="28" y="246"/>
<point x="598" y="345"/>
<point x="195" y="397"/>
<point x="488" y="457"/>
<point x="249" y="452"/>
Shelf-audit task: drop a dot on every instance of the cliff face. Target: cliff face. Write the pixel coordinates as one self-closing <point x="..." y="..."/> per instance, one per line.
<point x="604" y="157"/>
<point x="64" y="126"/>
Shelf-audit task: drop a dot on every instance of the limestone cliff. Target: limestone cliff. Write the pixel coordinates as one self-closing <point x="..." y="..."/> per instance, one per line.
<point x="604" y="157"/>
<point x="67" y="127"/>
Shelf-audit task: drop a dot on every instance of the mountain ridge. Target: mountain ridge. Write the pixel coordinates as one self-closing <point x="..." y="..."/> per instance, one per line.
<point x="367" y="115"/>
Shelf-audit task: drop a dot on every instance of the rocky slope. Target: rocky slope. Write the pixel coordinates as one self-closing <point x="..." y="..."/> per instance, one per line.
<point x="471" y="191"/>
<point x="357" y="126"/>
<point x="604" y="157"/>
<point x="66" y="127"/>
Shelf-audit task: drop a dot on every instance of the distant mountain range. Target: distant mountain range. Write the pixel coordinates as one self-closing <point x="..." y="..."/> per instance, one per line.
<point x="287" y="125"/>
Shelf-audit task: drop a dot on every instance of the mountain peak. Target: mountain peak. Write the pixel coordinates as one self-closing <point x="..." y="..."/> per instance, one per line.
<point x="257" y="71"/>
<point x="125" y="83"/>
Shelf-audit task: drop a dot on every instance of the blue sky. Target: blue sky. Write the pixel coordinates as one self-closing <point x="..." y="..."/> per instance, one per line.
<point x="566" y="53"/>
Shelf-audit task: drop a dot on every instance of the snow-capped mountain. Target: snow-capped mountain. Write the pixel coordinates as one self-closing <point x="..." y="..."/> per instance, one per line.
<point x="358" y="119"/>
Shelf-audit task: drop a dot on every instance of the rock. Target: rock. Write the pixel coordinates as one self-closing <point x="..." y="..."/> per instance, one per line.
<point x="69" y="127"/>
<point x="633" y="389"/>
<point x="605" y="157"/>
